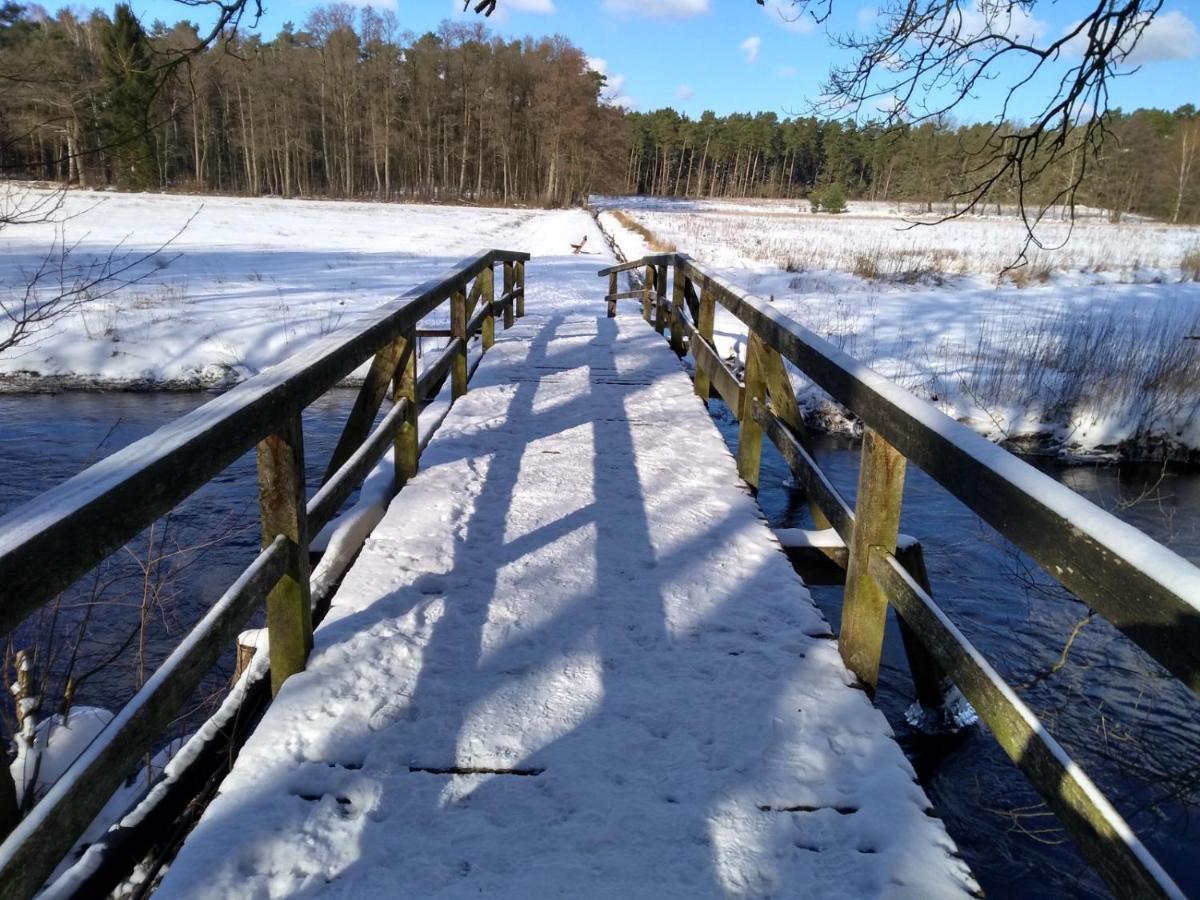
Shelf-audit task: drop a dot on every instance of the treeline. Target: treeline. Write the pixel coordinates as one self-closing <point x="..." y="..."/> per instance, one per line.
<point x="348" y="106"/>
<point x="352" y="106"/>
<point x="1147" y="163"/>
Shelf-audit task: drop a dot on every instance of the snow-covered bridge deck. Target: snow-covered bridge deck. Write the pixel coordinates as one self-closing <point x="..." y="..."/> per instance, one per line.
<point x="572" y="660"/>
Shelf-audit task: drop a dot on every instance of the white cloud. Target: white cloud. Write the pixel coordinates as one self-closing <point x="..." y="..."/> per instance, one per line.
<point x="1009" y="20"/>
<point x="1167" y="36"/>
<point x="684" y="92"/>
<point x="787" y="72"/>
<point x="750" y="46"/>
<point x="658" y="8"/>
<point x="533" y="6"/>
<point x="787" y="15"/>
<point x="613" y="88"/>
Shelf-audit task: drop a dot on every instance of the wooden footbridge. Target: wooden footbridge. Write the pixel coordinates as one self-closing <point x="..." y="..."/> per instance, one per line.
<point x="571" y="659"/>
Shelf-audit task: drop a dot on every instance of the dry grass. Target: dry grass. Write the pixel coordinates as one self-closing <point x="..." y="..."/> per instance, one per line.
<point x="1189" y="265"/>
<point x="652" y="241"/>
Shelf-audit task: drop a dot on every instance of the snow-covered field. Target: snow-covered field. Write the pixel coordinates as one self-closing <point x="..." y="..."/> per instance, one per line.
<point x="1085" y="349"/>
<point x="244" y="285"/>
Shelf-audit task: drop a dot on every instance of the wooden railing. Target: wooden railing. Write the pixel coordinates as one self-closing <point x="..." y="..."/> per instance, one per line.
<point x="47" y="544"/>
<point x="1144" y="589"/>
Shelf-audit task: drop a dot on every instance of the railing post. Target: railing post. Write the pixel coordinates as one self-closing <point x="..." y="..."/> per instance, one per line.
<point x="647" y="288"/>
<point x="406" y="450"/>
<point x="519" y="303"/>
<point x="750" y="434"/>
<point x="677" y="292"/>
<point x="704" y="325"/>
<point x="281" y="503"/>
<point x="660" y="297"/>
<point x="876" y="524"/>
<point x="507" y="294"/>
<point x="458" y="329"/>
<point x="927" y="675"/>
<point x="489" y="297"/>
<point x="612" y="295"/>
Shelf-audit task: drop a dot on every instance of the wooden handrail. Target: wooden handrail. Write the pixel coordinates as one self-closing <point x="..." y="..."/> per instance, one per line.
<point x="51" y="541"/>
<point x="1146" y="590"/>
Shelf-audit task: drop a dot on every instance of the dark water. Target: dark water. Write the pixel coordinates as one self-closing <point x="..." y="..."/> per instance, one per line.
<point x="166" y="577"/>
<point x="1133" y="729"/>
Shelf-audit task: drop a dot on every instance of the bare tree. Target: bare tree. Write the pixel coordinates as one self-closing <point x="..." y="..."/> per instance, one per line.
<point x="925" y="57"/>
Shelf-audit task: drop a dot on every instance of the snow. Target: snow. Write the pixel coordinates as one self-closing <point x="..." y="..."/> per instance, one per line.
<point x="56" y="744"/>
<point x="1112" y="304"/>
<point x="572" y="661"/>
<point x="246" y="284"/>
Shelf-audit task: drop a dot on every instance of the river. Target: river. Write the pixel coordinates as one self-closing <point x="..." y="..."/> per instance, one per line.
<point x="1134" y="729"/>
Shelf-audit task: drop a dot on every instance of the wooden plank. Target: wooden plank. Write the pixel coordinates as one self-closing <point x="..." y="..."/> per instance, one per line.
<point x="281" y="504"/>
<point x="43" y="838"/>
<point x="519" y="287"/>
<point x="475" y="325"/>
<point x="876" y="524"/>
<point x="434" y="372"/>
<point x="703" y="335"/>
<point x="677" y="303"/>
<point x="509" y="315"/>
<point x="1147" y="591"/>
<point x="749" y="455"/>
<point x="714" y="371"/>
<point x="1105" y="838"/>
<point x="653" y="260"/>
<point x="927" y="674"/>
<point x="807" y="473"/>
<point x="366" y="406"/>
<point x="612" y="297"/>
<point x="488" y="330"/>
<point x="648" y="293"/>
<point x="458" y="324"/>
<point x="660" y="299"/>
<point x="626" y="295"/>
<point x="329" y="499"/>
<point x="404" y="390"/>
<point x="108" y="504"/>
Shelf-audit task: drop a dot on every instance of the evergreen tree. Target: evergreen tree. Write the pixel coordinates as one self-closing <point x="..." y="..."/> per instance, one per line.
<point x="130" y="89"/>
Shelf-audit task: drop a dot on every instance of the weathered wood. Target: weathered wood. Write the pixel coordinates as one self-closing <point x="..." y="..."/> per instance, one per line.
<point x="458" y="324"/>
<point x="677" y="313"/>
<point x="660" y="299"/>
<point x="927" y="674"/>
<point x="704" y="325"/>
<point x="509" y="315"/>
<point x="626" y="295"/>
<point x="653" y="259"/>
<point x="690" y="297"/>
<point x="1147" y="591"/>
<point x="406" y="452"/>
<point x="876" y="524"/>
<point x="488" y="278"/>
<point x="749" y="431"/>
<point x="366" y="407"/>
<point x="1105" y="838"/>
<point x="519" y="286"/>
<point x="476" y="322"/>
<point x="329" y="499"/>
<point x="104" y="507"/>
<point x="713" y="370"/>
<point x="39" y="842"/>
<point x="282" y="507"/>
<point x="807" y="473"/>
<point x="434" y="372"/>
<point x="783" y="403"/>
<point x="474" y="295"/>
<point x="612" y="295"/>
<point x="649" y="289"/>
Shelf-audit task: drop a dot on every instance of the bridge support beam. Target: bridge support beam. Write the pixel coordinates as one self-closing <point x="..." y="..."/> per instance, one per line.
<point x="876" y="524"/>
<point x="282" y="507"/>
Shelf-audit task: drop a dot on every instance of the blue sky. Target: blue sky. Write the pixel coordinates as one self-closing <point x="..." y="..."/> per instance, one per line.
<point x="733" y="55"/>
